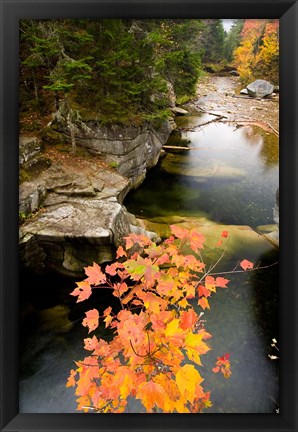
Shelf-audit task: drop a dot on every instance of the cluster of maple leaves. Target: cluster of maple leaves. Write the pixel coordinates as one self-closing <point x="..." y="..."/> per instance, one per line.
<point x="158" y="338"/>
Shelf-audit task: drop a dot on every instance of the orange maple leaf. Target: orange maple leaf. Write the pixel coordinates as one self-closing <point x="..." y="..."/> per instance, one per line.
<point x="203" y="302"/>
<point x="151" y="394"/>
<point x="196" y="240"/>
<point x="188" y="319"/>
<point x="210" y="283"/>
<point x="120" y="252"/>
<point x="139" y="239"/>
<point x="71" y="382"/>
<point x="91" y="320"/>
<point x="91" y="343"/>
<point x="95" y="275"/>
<point x="221" y="282"/>
<point x="179" y="232"/>
<point x="83" y="291"/>
<point x="203" y="291"/>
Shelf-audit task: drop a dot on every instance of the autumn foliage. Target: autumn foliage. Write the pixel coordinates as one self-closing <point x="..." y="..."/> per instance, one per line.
<point x="158" y="340"/>
<point x="258" y="53"/>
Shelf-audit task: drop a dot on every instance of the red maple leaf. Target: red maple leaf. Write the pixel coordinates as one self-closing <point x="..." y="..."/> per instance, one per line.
<point x="246" y="265"/>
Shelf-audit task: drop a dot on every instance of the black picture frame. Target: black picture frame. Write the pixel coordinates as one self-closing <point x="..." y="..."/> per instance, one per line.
<point x="11" y="12"/>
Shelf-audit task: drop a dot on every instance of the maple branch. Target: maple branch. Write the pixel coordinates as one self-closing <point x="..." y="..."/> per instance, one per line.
<point x="139" y="355"/>
<point x="219" y="259"/>
<point x="157" y="349"/>
<point x="148" y="344"/>
<point x="102" y="286"/>
<point x="86" y="364"/>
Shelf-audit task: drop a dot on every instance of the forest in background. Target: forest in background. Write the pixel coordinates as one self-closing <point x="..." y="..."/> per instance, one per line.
<point x="126" y="71"/>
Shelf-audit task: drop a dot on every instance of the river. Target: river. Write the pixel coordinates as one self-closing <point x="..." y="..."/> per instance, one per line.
<point x="228" y="180"/>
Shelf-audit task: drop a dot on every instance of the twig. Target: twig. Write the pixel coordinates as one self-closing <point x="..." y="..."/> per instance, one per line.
<point x="139" y="355"/>
<point x="245" y="271"/>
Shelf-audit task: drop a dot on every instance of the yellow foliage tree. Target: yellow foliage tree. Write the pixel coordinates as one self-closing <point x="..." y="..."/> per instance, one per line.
<point x="258" y="53"/>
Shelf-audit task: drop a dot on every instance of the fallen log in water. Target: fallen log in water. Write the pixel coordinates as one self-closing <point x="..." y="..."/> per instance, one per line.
<point x="185" y="148"/>
<point x="192" y="129"/>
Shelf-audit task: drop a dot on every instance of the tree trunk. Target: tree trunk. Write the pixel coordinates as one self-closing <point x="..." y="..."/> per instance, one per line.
<point x="72" y="133"/>
<point x="35" y="87"/>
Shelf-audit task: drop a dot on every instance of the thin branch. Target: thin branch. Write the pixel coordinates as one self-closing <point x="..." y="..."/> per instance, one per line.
<point x="139" y="355"/>
<point x="244" y="271"/>
<point x="149" y="348"/>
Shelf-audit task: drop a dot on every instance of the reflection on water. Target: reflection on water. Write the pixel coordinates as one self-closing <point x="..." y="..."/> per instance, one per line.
<point x="230" y="177"/>
<point x="232" y="180"/>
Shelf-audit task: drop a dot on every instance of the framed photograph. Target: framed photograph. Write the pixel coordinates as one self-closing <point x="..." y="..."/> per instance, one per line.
<point x="149" y="279"/>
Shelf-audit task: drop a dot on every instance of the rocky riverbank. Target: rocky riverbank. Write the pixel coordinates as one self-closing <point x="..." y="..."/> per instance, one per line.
<point x="221" y="95"/>
<point x="71" y="205"/>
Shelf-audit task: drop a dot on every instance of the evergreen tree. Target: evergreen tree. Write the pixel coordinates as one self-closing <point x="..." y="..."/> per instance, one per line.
<point x="213" y="41"/>
<point x="116" y="69"/>
<point x="233" y="39"/>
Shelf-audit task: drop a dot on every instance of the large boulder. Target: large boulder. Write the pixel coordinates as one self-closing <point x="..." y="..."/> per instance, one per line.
<point x="260" y="88"/>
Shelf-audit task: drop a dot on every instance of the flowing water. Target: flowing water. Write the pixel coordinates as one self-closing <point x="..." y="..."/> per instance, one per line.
<point x="230" y="179"/>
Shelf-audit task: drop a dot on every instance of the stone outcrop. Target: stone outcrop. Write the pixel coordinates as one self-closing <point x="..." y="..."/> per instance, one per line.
<point x="133" y="150"/>
<point x="82" y="218"/>
<point x="260" y="88"/>
<point x="29" y="147"/>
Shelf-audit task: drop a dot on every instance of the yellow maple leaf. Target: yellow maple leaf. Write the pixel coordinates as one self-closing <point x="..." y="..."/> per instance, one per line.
<point x="188" y="380"/>
<point x="174" y="332"/>
<point x="194" y="346"/>
<point x="194" y="341"/>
